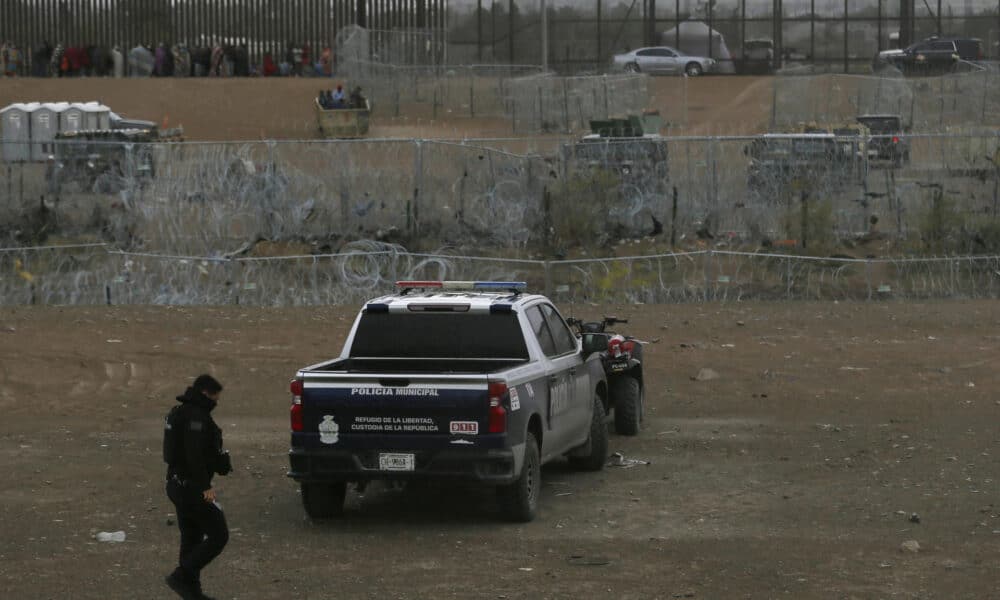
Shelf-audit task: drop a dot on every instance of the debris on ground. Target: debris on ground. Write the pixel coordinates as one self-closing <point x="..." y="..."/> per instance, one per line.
<point x="618" y="460"/>
<point x="588" y="561"/>
<point x="912" y="546"/>
<point x="705" y="375"/>
<point x="110" y="536"/>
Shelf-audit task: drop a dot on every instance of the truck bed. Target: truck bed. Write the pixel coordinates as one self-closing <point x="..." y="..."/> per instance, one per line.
<point x="416" y="365"/>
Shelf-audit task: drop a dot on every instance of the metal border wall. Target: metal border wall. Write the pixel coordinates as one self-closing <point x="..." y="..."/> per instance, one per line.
<point x="265" y="25"/>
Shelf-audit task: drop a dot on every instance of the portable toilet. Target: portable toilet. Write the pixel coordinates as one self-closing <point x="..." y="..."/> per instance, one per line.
<point x="96" y="116"/>
<point x="71" y="119"/>
<point x="15" y="122"/>
<point x="44" y="127"/>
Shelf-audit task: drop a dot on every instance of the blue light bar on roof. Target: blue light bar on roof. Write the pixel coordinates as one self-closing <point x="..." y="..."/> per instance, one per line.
<point x="500" y="285"/>
<point x="518" y="286"/>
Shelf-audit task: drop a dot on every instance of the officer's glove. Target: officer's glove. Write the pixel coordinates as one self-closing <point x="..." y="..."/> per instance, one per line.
<point x="224" y="466"/>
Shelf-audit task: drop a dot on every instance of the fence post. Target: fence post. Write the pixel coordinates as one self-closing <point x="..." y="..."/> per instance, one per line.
<point x="513" y="114"/>
<point x="541" y="119"/>
<point x="941" y="97"/>
<point x="774" y="100"/>
<point x="986" y="90"/>
<point x="788" y="277"/>
<point x="547" y="265"/>
<point x="566" y="104"/>
<point x="868" y="277"/>
<point x="472" y="96"/>
<point x="418" y="181"/>
<point x="606" y="110"/>
<point x="708" y="273"/>
<point x="805" y="219"/>
<point x="395" y="93"/>
<point x="673" y="222"/>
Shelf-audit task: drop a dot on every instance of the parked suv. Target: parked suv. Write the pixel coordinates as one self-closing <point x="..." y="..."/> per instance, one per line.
<point x="758" y="56"/>
<point x="933" y="56"/>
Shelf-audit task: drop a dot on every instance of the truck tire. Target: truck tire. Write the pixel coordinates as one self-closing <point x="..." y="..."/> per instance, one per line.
<point x="598" y="441"/>
<point x="627" y="394"/>
<point x="519" y="500"/>
<point x="324" y="500"/>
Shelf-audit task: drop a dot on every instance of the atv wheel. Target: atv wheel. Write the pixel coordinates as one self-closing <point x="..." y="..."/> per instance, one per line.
<point x="324" y="500"/>
<point x="519" y="500"/>
<point x="627" y="395"/>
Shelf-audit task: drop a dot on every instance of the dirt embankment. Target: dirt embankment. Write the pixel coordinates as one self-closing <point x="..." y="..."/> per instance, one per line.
<point x="254" y="109"/>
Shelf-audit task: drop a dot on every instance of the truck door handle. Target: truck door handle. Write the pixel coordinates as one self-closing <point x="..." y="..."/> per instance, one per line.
<point x="553" y="379"/>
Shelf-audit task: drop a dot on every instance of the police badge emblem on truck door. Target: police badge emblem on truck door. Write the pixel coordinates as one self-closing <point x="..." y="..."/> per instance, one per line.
<point x="329" y="431"/>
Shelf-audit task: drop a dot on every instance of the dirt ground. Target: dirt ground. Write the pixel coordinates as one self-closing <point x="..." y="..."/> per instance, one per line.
<point x="794" y="474"/>
<point x="254" y="109"/>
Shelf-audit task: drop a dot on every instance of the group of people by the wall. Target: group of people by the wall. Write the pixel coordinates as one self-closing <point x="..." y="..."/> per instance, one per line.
<point x="163" y="60"/>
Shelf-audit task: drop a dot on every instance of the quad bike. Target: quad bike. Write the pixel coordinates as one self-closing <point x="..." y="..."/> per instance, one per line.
<point x="621" y="357"/>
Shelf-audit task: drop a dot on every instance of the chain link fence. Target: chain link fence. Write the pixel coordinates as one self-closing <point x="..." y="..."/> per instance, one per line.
<point x="90" y="275"/>
<point x="269" y="222"/>
<point x="960" y="101"/>
<point x="534" y="101"/>
<point x="546" y="103"/>
<point x="216" y="199"/>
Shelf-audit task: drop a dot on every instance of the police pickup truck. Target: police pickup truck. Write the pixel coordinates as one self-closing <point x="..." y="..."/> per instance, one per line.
<point x="446" y="380"/>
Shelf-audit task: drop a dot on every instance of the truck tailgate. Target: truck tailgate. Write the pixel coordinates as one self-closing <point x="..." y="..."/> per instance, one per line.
<point x="393" y="412"/>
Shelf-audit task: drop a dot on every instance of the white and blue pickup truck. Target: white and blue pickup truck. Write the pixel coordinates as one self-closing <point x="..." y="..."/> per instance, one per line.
<point x="446" y="380"/>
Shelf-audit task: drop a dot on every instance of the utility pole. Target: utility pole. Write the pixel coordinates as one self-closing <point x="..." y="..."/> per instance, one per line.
<point x="777" y="15"/>
<point x="905" y="23"/>
<point x="651" y="37"/>
<point x="545" y="37"/>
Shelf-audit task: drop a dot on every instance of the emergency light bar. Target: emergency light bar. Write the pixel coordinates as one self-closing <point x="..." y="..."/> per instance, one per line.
<point x="514" y="286"/>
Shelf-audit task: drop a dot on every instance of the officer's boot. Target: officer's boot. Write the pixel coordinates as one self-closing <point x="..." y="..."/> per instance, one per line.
<point x="185" y="586"/>
<point x="201" y="595"/>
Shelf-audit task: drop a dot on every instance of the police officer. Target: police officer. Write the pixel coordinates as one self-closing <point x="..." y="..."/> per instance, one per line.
<point x="192" y="447"/>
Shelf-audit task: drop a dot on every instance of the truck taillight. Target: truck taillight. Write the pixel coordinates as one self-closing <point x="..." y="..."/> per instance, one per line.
<point x="498" y="414"/>
<point x="296" y="413"/>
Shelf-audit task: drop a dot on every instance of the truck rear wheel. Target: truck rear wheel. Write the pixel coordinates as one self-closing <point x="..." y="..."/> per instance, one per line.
<point x="627" y="394"/>
<point x="519" y="500"/>
<point x="598" y="442"/>
<point x="324" y="500"/>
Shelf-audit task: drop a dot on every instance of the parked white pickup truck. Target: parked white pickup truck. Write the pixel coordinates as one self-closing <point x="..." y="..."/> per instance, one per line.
<point x="449" y="380"/>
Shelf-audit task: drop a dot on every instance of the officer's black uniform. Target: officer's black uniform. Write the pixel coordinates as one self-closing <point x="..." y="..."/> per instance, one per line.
<point x="193" y="450"/>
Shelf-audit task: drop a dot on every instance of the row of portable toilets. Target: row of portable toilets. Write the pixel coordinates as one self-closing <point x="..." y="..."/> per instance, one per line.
<point x="29" y="130"/>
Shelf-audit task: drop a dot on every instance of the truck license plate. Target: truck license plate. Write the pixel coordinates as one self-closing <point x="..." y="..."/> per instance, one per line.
<point x="395" y="462"/>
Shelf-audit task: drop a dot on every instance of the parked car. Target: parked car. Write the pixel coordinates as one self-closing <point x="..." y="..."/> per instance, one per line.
<point x="662" y="60"/>
<point x="933" y="56"/>
<point x="888" y="141"/>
